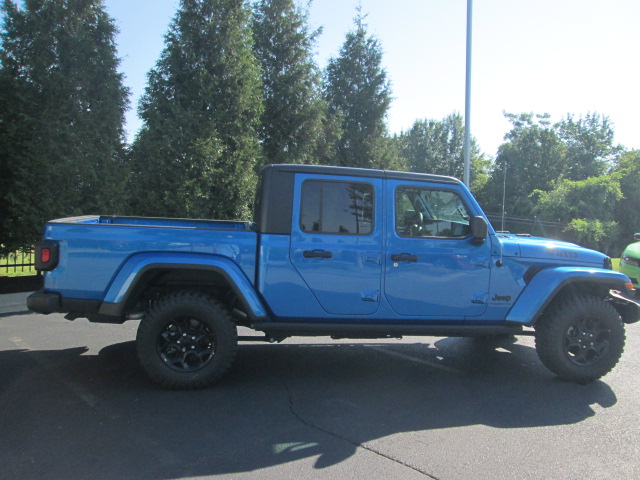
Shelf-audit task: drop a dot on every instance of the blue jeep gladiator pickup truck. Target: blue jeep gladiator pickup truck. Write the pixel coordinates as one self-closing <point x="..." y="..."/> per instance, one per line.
<point x="341" y="252"/>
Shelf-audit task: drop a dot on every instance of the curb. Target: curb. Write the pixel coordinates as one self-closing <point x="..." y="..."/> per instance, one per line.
<point x="11" y="303"/>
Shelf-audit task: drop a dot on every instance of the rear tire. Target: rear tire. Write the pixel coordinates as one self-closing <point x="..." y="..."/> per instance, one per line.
<point x="187" y="340"/>
<point x="580" y="338"/>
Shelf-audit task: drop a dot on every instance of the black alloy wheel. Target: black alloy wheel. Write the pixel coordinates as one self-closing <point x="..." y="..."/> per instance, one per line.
<point x="187" y="340"/>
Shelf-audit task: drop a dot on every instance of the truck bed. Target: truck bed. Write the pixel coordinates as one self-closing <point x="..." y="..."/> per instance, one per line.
<point x="94" y="248"/>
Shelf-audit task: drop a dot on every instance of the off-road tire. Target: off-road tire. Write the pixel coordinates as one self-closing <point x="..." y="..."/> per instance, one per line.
<point x="187" y="340"/>
<point x="580" y="338"/>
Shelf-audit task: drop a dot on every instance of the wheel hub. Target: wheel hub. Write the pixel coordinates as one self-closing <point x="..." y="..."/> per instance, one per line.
<point x="586" y="341"/>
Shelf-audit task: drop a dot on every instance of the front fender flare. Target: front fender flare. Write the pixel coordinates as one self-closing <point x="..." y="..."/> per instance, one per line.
<point x="136" y="266"/>
<point x="547" y="283"/>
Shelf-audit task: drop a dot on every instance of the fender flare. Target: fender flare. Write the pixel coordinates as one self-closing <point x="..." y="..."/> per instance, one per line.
<point x="547" y="283"/>
<point x="135" y="267"/>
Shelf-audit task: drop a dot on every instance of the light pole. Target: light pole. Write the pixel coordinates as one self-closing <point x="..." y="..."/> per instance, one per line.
<point x="504" y="193"/>
<point x="467" y="102"/>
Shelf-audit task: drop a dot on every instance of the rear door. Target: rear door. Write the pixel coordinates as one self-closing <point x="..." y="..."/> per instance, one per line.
<point x="336" y="241"/>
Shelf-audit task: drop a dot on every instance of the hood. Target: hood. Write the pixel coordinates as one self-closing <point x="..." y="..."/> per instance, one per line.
<point x="632" y="250"/>
<point x="552" y="251"/>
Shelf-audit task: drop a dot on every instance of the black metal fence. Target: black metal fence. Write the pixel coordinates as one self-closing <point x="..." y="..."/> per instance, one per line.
<point x="21" y="263"/>
<point x="532" y="226"/>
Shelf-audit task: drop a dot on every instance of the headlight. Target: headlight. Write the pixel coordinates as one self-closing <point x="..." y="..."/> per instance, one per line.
<point x="631" y="261"/>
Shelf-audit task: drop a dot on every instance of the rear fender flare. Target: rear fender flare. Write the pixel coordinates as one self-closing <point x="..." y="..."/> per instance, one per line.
<point x="133" y="270"/>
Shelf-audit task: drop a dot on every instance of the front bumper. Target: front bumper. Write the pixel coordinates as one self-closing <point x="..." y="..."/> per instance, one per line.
<point x="627" y="303"/>
<point x="632" y="272"/>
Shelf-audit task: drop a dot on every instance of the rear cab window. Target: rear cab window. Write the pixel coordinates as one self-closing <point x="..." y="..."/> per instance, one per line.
<point x="337" y="207"/>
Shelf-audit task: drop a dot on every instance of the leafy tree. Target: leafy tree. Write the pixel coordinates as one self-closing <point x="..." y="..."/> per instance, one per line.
<point x="593" y="198"/>
<point x="62" y="105"/>
<point x="437" y="146"/>
<point x="589" y="143"/>
<point x="533" y="157"/>
<point x="196" y="153"/>
<point x="291" y="128"/>
<point x="592" y="234"/>
<point x="627" y="172"/>
<point x="588" y="206"/>
<point x="359" y="94"/>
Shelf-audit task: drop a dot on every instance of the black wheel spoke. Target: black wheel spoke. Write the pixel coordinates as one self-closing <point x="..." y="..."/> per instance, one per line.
<point x="586" y="341"/>
<point x="186" y="344"/>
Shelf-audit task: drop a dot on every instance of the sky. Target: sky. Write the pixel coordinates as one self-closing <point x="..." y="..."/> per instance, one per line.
<point x="543" y="56"/>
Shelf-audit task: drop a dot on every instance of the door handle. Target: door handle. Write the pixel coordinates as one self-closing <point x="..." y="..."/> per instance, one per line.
<point x="404" y="257"/>
<point x="316" y="254"/>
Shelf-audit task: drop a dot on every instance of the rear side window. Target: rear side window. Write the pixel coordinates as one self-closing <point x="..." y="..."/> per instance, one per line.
<point x="337" y="207"/>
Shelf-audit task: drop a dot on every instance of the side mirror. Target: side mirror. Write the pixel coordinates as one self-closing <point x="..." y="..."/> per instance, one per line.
<point x="637" y="236"/>
<point x="479" y="230"/>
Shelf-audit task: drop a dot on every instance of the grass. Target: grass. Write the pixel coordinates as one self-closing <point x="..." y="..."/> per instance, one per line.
<point x="6" y="270"/>
<point x="616" y="264"/>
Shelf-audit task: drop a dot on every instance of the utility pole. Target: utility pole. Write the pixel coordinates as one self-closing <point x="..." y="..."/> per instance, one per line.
<point x="467" y="102"/>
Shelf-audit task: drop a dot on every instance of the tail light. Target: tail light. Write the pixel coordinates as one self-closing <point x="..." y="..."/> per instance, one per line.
<point x="47" y="255"/>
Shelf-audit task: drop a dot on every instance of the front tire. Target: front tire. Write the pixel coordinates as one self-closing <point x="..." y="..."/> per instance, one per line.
<point x="580" y="338"/>
<point x="187" y="340"/>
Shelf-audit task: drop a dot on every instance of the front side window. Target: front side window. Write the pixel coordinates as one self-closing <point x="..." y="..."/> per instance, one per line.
<point x="336" y="207"/>
<point x="425" y="212"/>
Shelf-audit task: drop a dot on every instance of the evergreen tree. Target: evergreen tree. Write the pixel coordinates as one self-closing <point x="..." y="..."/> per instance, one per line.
<point x="62" y="105"/>
<point x="359" y="95"/>
<point x="197" y="151"/>
<point x="292" y="124"/>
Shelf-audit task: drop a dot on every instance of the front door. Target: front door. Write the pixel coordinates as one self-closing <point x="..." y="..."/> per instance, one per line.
<point x="432" y="266"/>
<point x="336" y="241"/>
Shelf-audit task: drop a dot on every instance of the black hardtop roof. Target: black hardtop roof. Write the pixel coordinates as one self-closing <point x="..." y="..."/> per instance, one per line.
<point x="361" y="172"/>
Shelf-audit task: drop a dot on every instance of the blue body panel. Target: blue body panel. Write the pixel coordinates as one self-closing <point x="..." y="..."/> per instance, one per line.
<point x="92" y="253"/>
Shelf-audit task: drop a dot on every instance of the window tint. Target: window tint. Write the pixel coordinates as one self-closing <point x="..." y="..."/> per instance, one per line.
<point x="422" y="212"/>
<point x="336" y="207"/>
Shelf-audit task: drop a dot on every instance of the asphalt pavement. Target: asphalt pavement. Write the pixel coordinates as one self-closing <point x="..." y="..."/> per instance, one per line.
<point x="13" y="303"/>
<point x="75" y="404"/>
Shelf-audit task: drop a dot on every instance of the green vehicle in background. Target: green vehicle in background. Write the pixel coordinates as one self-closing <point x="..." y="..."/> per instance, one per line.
<point x="630" y="261"/>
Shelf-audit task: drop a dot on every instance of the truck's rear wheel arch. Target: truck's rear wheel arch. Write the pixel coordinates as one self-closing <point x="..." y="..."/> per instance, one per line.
<point x="158" y="280"/>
